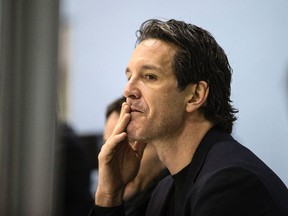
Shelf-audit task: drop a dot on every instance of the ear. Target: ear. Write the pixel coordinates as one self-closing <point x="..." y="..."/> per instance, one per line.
<point x="198" y="96"/>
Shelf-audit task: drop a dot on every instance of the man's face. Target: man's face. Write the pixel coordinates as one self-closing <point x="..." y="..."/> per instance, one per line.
<point x="157" y="106"/>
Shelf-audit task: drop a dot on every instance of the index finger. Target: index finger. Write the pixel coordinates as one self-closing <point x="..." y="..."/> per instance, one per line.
<point x="123" y="120"/>
<point x="124" y="109"/>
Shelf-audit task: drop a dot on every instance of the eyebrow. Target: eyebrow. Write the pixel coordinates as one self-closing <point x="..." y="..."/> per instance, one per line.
<point x="145" y="67"/>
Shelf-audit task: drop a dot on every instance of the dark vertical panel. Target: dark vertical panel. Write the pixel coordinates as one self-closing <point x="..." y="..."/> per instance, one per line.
<point x="28" y="79"/>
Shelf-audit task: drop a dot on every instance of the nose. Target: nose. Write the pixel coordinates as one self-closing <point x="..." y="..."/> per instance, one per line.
<point x="131" y="89"/>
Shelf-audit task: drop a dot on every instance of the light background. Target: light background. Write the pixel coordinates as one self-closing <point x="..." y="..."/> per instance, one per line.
<point x="254" y="34"/>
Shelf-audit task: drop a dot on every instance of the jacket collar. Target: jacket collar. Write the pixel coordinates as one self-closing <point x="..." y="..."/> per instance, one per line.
<point x="214" y="135"/>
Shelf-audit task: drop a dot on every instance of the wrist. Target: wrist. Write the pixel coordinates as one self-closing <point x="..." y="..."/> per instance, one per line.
<point x="107" y="199"/>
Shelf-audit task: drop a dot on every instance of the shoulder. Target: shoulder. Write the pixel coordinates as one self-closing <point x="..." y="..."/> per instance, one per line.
<point x="238" y="191"/>
<point x="232" y="159"/>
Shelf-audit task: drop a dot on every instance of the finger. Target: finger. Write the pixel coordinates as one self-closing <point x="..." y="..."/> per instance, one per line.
<point x="124" y="109"/>
<point x="113" y="141"/>
<point x="122" y="124"/>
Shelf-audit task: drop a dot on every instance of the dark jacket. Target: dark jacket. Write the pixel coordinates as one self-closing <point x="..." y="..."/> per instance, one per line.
<point x="223" y="179"/>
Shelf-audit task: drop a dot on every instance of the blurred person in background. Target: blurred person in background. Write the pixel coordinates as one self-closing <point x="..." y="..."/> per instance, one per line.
<point x="76" y="174"/>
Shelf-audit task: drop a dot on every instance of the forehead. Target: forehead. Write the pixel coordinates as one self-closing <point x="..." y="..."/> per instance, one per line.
<point x="156" y="44"/>
<point x="153" y="51"/>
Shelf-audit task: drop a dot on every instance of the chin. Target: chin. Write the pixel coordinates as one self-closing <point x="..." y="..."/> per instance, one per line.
<point x="132" y="136"/>
<point x="134" y="133"/>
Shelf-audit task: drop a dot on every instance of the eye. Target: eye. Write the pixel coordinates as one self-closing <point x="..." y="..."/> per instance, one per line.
<point x="150" y="77"/>
<point x="128" y="78"/>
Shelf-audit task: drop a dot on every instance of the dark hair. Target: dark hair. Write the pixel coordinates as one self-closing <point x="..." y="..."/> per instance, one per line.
<point x="115" y="106"/>
<point x="198" y="58"/>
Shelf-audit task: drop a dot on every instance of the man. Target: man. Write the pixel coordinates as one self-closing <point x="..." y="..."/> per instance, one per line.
<point x="178" y="100"/>
<point x="137" y="192"/>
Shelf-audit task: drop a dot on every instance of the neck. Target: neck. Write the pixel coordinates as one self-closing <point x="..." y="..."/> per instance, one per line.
<point x="176" y="152"/>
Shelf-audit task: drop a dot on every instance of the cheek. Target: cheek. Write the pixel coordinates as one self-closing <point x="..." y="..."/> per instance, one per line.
<point x="162" y="99"/>
<point x="170" y="106"/>
<point x="157" y="104"/>
<point x="163" y="107"/>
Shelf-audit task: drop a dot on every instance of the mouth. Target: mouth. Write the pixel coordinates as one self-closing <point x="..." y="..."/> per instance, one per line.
<point x="136" y="110"/>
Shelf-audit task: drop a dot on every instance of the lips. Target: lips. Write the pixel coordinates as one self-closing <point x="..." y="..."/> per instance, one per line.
<point x="136" y="109"/>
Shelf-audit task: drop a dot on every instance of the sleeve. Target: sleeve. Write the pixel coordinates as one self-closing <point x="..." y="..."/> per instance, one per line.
<point x="234" y="191"/>
<point x="107" y="211"/>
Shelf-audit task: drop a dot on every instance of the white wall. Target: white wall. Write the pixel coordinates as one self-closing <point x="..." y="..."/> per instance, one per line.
<point x="253" y="33"/>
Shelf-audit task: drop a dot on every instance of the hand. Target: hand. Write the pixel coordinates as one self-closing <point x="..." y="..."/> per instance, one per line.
<point x="149" y="172"/>
<point x="119" y="163"/>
